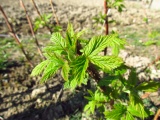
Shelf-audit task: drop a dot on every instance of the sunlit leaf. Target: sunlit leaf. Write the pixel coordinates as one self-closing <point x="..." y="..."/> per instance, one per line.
<point x="39" y="68"/>
<point x="149" y="86"/>
<point x="50" y="70"/>
<point x="107" y="80"/>
<point x="117" y="113"/>
<point x="65" y="71"/>
<point x="128" y="116"/>
<point x="96" y="45"/>
<point x="138" y="110"/>
<point x="90" y="107"/>
<point x="58" y="40"/>
<point x="106" y="63"/>
<point x="49" y="73"/>
<point x="99" y="43"/>
<point x="133" y="77"/>
<point x="79" y="67"/>
<point x="56" y="49"/>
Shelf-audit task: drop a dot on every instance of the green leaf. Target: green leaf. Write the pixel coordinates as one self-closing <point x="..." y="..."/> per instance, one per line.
<point x="107" y="80"/>
<point x="91" y="93"/>
<point x="48" y="16"/>
<point x="54" y="63"/>
<point x="128" y="116"/>
<point x="58" y="40"/>
<point x="150" y="42"/>
<point x="70" y="29"/>
<point x="90" y="107"/>
<point x="54" y="58"/>
<point x="117" y="113"/>
<point x="149" y="86"/>
<point x="116" y="44"/>
<point x="71" y="54"/>
<point x="49" y="73"/>
<point x="56" y="49"/>
<point x="100" y="97"/>
<point x="79" y="34"/>
<point x="65" y="71"/>
<point x="133" y="77"/>
<point x="136" y="107"/>
<point x="134" y="97"/>
<point x="66" y="85"/>
<point x="137" y="110"/>
<point x="50" y="70"/>
<point x="121" y="70"/>
<point x="73" y="84"/>
<point x="99" y="43"/>
<point x="69" y="38"/>
<point x="96" y="45"/>
<point x="39" y="68"/>
<point x="57" y="29"/>
<point x="72" y="37"/>
<point x="83" y="41"/>
<point x="78" y="70"/>
<point x="106" y="63"/>
<point x="79" y="67"/>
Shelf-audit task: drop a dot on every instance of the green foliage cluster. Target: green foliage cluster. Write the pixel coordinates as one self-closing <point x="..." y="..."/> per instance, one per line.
<point x="5" y="44"/>
<point x="101" y="18"/>
<point x="79" y="60"/>
<point x="154" y="37"/>
<point x="118" y="4"/>
<point x="44" y="21"/>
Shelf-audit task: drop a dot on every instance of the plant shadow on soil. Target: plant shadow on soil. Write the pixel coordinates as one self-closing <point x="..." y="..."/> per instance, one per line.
<point x="20" y="105"/>
<point x="46" y="108"/>
<point x="50" y="112"/>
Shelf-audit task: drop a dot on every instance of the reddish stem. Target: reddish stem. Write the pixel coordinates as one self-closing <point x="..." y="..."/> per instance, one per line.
<point x="13" y="34"/>
<point x="57" y="21"/>
<point x="31" y="27"/>
<point x="35" y="6"/>
<point x="106" y="22"/>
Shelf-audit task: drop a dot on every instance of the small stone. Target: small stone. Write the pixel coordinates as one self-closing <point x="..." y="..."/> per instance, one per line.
<point x="155" y="98"/>
<point x="59" y="111"/>
<point x="37" y="117"/>
<point x="1" y="118"/>
<point x="37" y="91"/>
<point x="5" y="82"/>
<point x="39" y="100"/>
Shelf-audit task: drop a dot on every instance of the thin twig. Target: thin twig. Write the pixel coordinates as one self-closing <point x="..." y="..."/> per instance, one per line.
<point x="35" y="6"/>
<point x="157" y="115"/>
<point x="152" y="63"/>
<point x="31" y="27"/>
<point x="150" y="3"/>
<point x="54" y="13"/>
<point x="106" y="22"/>
<point x="13" y="34"/>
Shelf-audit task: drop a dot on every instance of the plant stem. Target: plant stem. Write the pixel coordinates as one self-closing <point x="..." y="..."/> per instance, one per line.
<point x="150" y="3"/>
<point x="157" y="115"/>
<point x="106" y="22"/>
<point x="106" y="33"/>
<point x="31" y="27"/>
<point x="13" y="34"/>
<point x="54" y="13"/>
<point x="152" y="63"/>
<point x="35" y="6"/>
<point x="91" y="69"/>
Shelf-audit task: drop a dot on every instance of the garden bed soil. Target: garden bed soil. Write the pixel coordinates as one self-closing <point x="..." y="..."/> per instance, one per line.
<point x="22" y="97"/>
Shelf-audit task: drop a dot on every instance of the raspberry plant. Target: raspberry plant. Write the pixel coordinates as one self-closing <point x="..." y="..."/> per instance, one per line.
<point x="80" y="60"/>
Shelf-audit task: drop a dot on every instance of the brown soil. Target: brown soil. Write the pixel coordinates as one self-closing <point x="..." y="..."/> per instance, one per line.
<point x="22" y="97"/>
